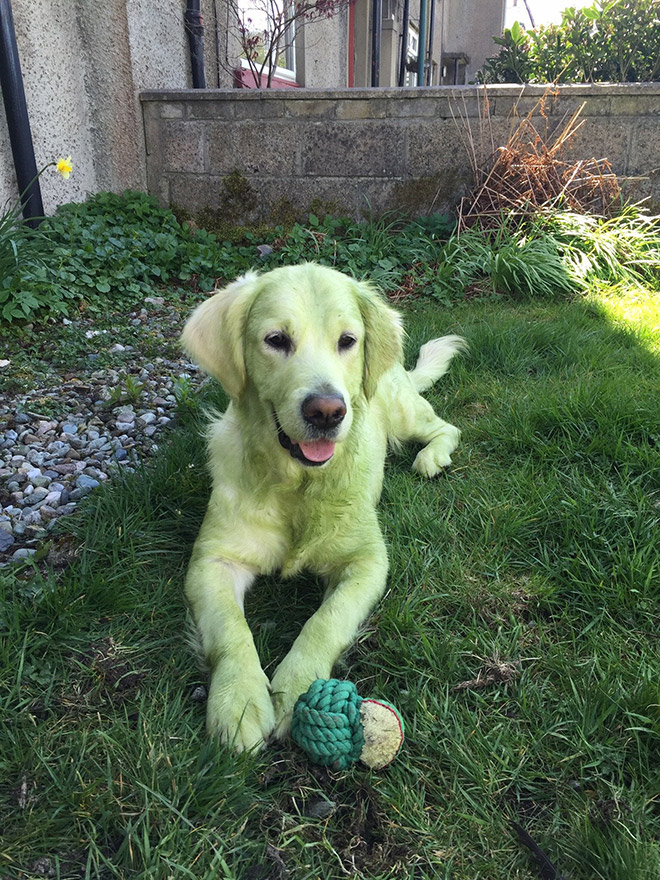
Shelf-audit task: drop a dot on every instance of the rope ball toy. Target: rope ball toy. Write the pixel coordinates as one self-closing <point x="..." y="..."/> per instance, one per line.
<point x="336" y="727"/>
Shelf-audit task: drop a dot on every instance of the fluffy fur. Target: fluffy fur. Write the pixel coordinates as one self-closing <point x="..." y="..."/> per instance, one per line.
<point x="275" y="341"/>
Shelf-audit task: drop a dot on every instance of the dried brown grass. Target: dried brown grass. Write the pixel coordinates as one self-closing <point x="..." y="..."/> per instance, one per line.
<point x="533" y="171"/>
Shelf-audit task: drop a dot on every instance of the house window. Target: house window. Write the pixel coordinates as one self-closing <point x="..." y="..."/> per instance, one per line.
<point x="390" y="8"/>
<point x="412" y="57"/>
<point x="454" y="68"/>
<point x="266" y="32"/>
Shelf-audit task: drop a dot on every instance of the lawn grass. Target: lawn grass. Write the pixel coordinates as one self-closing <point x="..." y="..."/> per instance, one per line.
<point x="519" y="638"/>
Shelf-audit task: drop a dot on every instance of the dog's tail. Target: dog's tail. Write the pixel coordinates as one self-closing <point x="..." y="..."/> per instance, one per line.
<point x="434" y="358"/>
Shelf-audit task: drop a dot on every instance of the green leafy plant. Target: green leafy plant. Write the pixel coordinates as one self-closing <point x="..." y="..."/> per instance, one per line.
<point x="19" y="258"/>
<point x="126" y="244"/>
<point x="23" y="252"/>
<point x="610" y="41"/>
<point x="513" y="63"/>
<point x="111" y="247"/>
<point x="129" y="391"/>
<point x="382" y="250"/>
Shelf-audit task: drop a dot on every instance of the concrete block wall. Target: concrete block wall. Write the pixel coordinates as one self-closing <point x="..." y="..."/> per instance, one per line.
<point x="378" y="149"/>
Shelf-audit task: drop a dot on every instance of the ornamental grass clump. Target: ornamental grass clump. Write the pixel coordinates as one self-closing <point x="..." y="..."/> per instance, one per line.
<point x="624" y="248"/>
<point x="506" y="261"/>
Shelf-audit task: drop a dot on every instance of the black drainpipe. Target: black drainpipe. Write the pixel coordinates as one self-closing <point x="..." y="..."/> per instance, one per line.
<point x="376" y="25"/>
<point x="429" y="71"/>
<point x="195" y="30"/>
<point x="18" y="121"/>
<point x="404" y="42"/>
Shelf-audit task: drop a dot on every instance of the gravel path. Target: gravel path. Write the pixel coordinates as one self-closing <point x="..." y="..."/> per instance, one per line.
<point x="73" y="425"/>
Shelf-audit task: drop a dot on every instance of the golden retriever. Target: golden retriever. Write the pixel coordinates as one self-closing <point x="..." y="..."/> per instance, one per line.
<point x="312" y="362"/>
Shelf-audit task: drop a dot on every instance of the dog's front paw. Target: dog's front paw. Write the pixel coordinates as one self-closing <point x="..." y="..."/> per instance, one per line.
<point x="292" y="678"/>
<point x="437" y="455"/>
<point x="239" y="708"/>
<point x="429" y="462"/>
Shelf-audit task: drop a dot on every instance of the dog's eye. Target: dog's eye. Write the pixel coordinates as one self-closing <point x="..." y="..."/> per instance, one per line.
<point x="278" y="341"/>
<point x="346" y="341"/>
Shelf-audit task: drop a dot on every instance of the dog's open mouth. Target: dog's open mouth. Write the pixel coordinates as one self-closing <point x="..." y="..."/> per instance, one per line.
<point x="312" y="452"/>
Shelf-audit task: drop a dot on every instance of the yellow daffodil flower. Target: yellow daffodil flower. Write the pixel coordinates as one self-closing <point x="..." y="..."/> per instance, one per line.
<point x="65" y="167"/>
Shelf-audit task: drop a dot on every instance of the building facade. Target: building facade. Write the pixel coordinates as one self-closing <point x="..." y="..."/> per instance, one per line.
<point x="363" y="43"/>
<point x="84" y="65"/>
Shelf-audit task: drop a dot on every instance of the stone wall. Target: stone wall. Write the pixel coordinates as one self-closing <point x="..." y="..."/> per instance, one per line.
<point x="377" y="149"/>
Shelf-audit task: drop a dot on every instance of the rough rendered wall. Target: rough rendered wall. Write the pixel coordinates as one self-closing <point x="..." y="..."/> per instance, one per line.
<point x="469" y="26"/>
<point x="377" y="149"/>
<point x="322" y="62"/>
<point x="84" y="62"/>
<point x="57" y="100"/>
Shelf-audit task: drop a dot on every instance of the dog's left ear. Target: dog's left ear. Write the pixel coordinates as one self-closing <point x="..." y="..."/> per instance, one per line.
<point x="383" y="337"/>
<point x="214" y="333"/>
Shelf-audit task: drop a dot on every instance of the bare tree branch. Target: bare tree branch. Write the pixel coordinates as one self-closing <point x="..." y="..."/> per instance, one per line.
<point x="265" y="29"/>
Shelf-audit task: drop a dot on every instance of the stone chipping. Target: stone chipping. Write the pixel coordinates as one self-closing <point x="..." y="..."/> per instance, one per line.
<point x="73" y="432"/>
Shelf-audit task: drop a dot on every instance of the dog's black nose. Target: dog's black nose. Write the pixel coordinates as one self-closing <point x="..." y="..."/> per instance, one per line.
<point x="324" y="411"/>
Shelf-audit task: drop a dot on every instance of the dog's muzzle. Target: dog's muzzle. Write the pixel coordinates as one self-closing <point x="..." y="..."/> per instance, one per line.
<point x="323" y="413"/>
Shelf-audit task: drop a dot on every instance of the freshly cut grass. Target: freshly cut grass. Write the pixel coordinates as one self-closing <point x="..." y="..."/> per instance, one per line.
<point x="518" y="637"/>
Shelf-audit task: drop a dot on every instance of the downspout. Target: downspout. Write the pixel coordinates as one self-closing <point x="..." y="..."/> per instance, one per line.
<point x="429" y="67"/>
<point x="442" y="42"/>
<point x="18" y="122"/>
<point x="404" y="42"/>
<point x="376" y="25"/>
<point x="195" y="29"/>
<point x="421" y="53"/>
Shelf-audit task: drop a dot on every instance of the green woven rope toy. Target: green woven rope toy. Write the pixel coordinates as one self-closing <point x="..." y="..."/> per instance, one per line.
<point x="336" y="727"/>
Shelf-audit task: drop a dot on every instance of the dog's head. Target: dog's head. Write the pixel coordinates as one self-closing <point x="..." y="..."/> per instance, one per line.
<point x="305" y="344"/>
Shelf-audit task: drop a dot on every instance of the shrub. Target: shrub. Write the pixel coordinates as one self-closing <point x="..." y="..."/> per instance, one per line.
<point x="615" y="41"/>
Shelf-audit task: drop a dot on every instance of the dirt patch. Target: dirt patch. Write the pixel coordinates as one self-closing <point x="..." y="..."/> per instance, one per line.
<point x="105" y="676"/>
<point x="494" y="671"/>
<point x="368" y="845"/>
<point x="115" y="674"/>
<point x="330" y="809"/>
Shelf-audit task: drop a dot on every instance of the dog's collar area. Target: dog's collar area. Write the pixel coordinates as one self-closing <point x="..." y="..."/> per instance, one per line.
<point x="294" y="449"/>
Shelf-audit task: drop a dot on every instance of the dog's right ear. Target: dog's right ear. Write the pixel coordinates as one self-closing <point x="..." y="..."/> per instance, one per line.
<point x="214" y="333"/>
<point x="383" y="340"/>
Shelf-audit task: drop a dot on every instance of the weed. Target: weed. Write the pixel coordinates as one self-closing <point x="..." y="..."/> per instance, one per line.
<point x="129" y="391"/>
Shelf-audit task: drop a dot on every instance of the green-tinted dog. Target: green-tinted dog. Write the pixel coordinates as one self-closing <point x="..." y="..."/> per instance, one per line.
<point x="312" y="362"/>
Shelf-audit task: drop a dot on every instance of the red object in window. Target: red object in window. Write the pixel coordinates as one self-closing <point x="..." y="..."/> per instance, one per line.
<point x="351" y="45"/>
<point x="245" y="79"/>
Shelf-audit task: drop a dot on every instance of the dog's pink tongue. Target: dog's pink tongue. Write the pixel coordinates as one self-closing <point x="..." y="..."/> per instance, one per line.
<point x="318" y="450"/>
